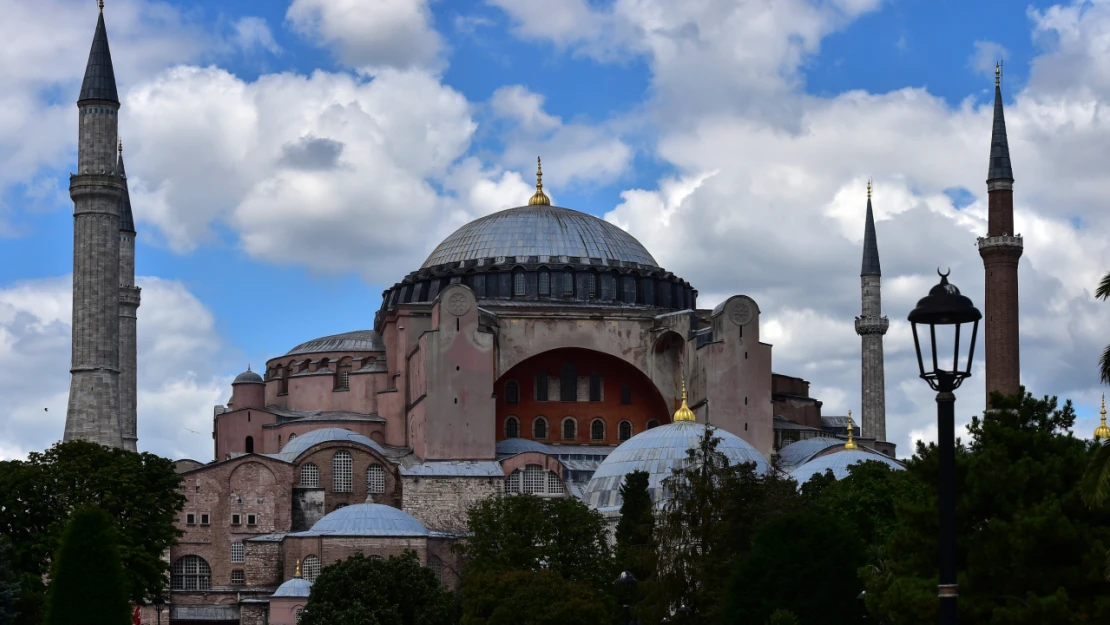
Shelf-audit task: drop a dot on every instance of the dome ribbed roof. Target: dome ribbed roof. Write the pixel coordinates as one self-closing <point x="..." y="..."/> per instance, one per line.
<point x="798" y="452"/>
<point x="838" y="462"/>
<point x="295" y="587"/>
<point x="299" y="445"/>
<point x="539" y="231"/>
<point x="367" y="519"/>
<point x="658" y="451"/>
<point x="248" y="377"/>
<point x="357" y="341"/>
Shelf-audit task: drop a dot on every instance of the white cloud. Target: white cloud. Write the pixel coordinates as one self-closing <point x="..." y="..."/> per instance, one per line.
<point x="986" y="55"/>
<point x="523" y="106"/>
<point x="254" y="33"/>
<point x="365" y="35"/>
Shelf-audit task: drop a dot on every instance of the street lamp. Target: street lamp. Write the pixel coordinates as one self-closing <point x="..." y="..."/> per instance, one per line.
<point x="945" y="307"/>
<point x="625" y="583"/>
<point x="159" y="605"/>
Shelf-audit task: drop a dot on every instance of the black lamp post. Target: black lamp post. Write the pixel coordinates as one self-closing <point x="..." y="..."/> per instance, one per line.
<point x="159" y="605"/>
<point x="625" y="583"/>
<point x="945" y="307"/>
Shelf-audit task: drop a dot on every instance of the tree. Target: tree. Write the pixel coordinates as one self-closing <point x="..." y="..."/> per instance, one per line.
<point x="1103" y="292"/>
<point x="87" y="581"/>
<point x="783" y="617"/>
<point x="1029" y="550"/>
<point x="865" y="499"/>
<point x="635" y="533"/>
<point x="807" y="550"/>
<point x="361" y="590"/>
<point x="37" y="496"/>
<point x="9" y="583"/>
<point x="530" y="598"/>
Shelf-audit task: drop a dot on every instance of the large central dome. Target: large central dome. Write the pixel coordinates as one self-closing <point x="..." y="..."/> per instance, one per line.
<point x="539" y="231"/>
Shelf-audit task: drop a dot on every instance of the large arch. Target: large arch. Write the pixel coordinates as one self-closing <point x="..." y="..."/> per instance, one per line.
<point x="644" y="401"/>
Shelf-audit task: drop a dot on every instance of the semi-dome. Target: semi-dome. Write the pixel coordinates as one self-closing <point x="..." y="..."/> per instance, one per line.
<point x="248" y="377"/>
<point x="800" y="452"/>
<point x="838" y="462"/>
<point x="367" y="519"/>
<point x="540" y="230"/>
<point x="301" y="444"/>
<point x="659" y="451"/>
<point x="295" y="587"/>
<point x="357" y="341"/>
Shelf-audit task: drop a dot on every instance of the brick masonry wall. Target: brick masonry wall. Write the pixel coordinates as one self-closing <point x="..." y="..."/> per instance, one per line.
<point x="253" y="614"/>
<point x="361" y="460"/>
<point x="441" y="503"/>
<point x="262" y="564"/>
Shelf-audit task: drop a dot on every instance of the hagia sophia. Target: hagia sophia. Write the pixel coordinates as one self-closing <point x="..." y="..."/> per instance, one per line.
<point x="537" y="350"/>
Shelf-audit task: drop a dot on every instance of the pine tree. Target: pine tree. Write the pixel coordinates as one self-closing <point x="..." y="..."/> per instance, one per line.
<point x="9" y="583"/>
<point x="635" y="534"/>
<point x="87" y="582"/>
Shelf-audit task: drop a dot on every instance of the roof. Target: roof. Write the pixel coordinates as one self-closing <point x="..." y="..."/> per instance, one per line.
<point x="100" y="78"/>
<point x="999" y="168"/>
<point x="295" y="587"/>
<point x="248" y="377"/>
<point x="539" y="231"/>
<point x="366" y="519"/>
<point x="838" y="462"/>
<point x="782" y="423"/>
<point x="800" y="452"/>
<point x="659" y="451"/>
<point x="294" y="448"/>
<point x="126" y="219"/>
<point x="513" y="446"/>
<point x="455" y="468"/>
<point x="357" y="341"/>
<point x="870" y="244"/>
<point x="323" y="415"/>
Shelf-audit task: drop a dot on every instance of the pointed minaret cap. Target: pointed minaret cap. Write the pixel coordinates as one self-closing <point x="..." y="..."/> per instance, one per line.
<point x="100" y="78"/>
<point x="539" y="198"/>
<point x="870" y="242"/>
<point x="684" y="413"/>
<point x="1102" y="431"/>
<point x="851" y="444"/>
<point x="999" y="168"/>
<point x="126" y="218"/>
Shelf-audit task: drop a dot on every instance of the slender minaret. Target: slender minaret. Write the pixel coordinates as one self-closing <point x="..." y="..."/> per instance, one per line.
<point x="871" y="325"/>
<point x="1001" y="249"/>
<point x="94" y="393"/>
<point x="129" y="297"/>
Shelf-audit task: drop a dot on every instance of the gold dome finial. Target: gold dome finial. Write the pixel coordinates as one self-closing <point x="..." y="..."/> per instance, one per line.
<point x="1102" y="431"/>
<point x="539" y="198"/>
<point x="851" y="444"/>
<point x="998" y="73"/>
<point x="298" y="573"/>
<point x="684" y="413"/>
<point x="869" y="188"/>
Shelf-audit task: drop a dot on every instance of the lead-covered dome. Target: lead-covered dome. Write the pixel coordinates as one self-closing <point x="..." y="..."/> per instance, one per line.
<point x="838" y="462"/>
<point x="357" y="341"/>
<point x="367" y="519"/>
<point x="659" y="451"/>
<point x="539" y="230"/>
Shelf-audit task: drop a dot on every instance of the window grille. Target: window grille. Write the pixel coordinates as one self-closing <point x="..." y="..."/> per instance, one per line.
<point x="533" y="479"/>
<point x="191" y="573"/>
<point x="591" y="285"/>
<point x="568" y="282"/>
<point x="625" y="430"/>
<point x="310" y="475"/>
<point x="518" y="284"/>
<point x="626" y="394"/>
<point x="554" y="484"/>
<point x="298" y="612"/>
<point x="375" y="479"/>
<point x="344" y="381"/>
<point x="545" y="283"/>
<point x="512" y="392"/>
<point x="539" y="428"/>
<point x="595" y="387"/>
<point x="569" y="429"/>
<point x="237" y="551"/>
<point x="597" y="430"/>
<point x="512" y="483"/>
<point x="541" y="387"/>
<point x="652" y="424"/>
<point x="436" y="565"/>
<point x="310" y="568"/>
<point x="341" y="472"/>
<point x="512" y="428"/>
<point x="237" y="577"/>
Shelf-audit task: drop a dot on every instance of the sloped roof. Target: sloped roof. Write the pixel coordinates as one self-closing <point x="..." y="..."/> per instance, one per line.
<point x="294" y="448"/>
<point x="357" y="341"/>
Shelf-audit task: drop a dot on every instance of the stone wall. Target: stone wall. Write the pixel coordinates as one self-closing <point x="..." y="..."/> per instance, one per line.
<point x="308" y="507"/>
<point x="440" y="503"/>
<point x="262" y="563"/>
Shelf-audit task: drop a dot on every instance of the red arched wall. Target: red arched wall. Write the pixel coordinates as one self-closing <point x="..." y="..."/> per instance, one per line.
<point x="646" y="404"/>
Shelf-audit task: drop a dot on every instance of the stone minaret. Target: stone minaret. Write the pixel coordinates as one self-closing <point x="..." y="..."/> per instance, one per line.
<point x="128" y="315"/>
<point x="1001" y="249"/>
<point x="871" y="325"/>
<point x="94" y="393"/>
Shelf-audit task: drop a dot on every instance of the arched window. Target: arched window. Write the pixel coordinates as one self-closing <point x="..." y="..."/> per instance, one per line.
<point x="283" y="387"/>
<point x="570" y="428"/>
<point x="310" y="475"/>
<point x="191" y="573"/>
<point x="341" y="472"/>
<point x="597" y="430"/>
<point x="310" y="568"/>
<point x="591" y="285"/>
<point x="541" y="386"/>
<point x="343" y="380"/>
<point x="624" y="431"/>
<point x="554" y="484"/>
<point x="237" y="553"/>
<point x="298" y="612"/>
<point x="518" y="284"/>
<point x="324" y="365"/>
<point x="595" y="386"/>
<point x="568" y="383"/>
<point x="568" y="283"/>
<point x="545" y="282"/>
<point x="512" y="392"/>
<point x="375" y="479"/>
<point x="652" y="423"/>
<point x="250" y="444"/>
<point x="535" y="479"/>
<point x="512" y="428"/>
<point x="436" y="565"/>
<point x="539" y="428"/>
<point x="279" y="442"/>
<point x="291" y="437"/>
<point x="626" y="394"/>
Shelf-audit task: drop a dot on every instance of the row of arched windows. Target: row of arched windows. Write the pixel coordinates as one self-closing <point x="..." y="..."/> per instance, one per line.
<point x="342" y="473"/>
<point x="570" y="428"/>
<point x="534" y="480"/>
<point x="568" y="387"/>
<point x="342" y="374"/>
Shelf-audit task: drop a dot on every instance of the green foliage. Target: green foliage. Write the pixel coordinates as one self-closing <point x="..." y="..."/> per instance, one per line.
<point x="528" y="533"/>
<point x="87" y="581"/>
<point x="817" y="552"/>
<point x="866" y="498"/>
<point x="530" y="598"/>
<point x="1102" y="292"/>
<point x="783" y="617"/>
<point x="635" y="533"/>
<point x="9" y="583"/>
<point x="361" y="590"/>
<point x="37" y="497"/>
<point x="1029" y="550"/>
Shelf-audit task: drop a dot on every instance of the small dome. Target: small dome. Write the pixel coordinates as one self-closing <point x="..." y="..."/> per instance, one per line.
<point x="367" y="519"/>
<point x="248" y="377"/>
<point x="295" y="587"/>
<point x="357" y="341"/>
<point x="838" y="462"/>
<point x="800" y="452"/>
<point x="659" y="451"/>
<point x="301" y="444"/>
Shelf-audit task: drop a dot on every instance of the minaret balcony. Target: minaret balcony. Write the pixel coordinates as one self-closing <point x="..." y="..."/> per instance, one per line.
<point x="872" y="325"/>
<point x="1004" y="241"/>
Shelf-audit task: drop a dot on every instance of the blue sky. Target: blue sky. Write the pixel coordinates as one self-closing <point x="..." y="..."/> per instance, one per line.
<point x="760" y="114"/>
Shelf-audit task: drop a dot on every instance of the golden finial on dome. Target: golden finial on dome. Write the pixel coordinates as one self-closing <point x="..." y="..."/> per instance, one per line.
<point x="998" y="73"/>
<point x="683" y="413"/>
<point x="298" y="573"/>
<point x="539" y="198"/>
<point x="851" y="444"/>
<point x="1102" y="431"/>
<point x="869" y="188"/>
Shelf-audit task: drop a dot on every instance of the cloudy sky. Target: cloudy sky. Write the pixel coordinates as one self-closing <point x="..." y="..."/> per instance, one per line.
<point x="289" y="160"/>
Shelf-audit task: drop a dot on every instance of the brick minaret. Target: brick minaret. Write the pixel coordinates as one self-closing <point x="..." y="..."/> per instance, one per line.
<point x="1001" y="249"/>
<point x="94" y="394"/>
<point x="129" y="298"/>
<point x="871" y="325"/>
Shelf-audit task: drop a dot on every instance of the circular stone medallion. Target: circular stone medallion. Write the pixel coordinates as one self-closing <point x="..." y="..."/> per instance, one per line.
<point x="458" y="304"/>
<point x="740" y="312"/>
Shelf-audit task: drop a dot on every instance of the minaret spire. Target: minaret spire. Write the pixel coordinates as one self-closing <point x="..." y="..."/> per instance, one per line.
<point x="871" y="326"/>
<point x="870" y="242"/>
<point x="100" y="77"/>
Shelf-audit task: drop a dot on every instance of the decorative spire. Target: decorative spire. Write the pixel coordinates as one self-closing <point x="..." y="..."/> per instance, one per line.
<point x="851" y="444"/>
<point x="100" y="78"/>
<point x="120" y="147"/>
<point x="684" y="413"/>
<point x="298" y="573"/>
<point x="1102" y="431"/>
<point x="126" y="218"/>
<point x="539" y="198"/>
<point x="100" y="3"/>
<point x="999" y="168"/>
<point x="870" y="242"/>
